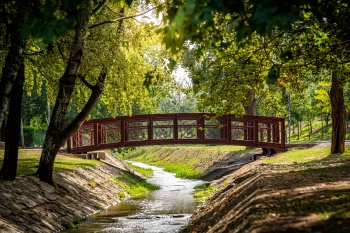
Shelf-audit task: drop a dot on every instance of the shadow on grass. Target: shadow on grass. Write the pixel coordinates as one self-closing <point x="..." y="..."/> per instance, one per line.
<point x="312" y="200"/>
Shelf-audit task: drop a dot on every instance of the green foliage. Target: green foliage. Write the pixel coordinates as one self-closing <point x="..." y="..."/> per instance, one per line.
<point x="29" y="135"/>
<point x="274" y="74"/>
<point x="134" y="185"/>
<point x="147" y="172"/>
<point x="67" y="225"/>
<point x="204" y="192"/>
<point x="93" y="183"/>
<point x="39" y="138"/>
<point x="76" y="221"/>
<point x="122" y="195"/>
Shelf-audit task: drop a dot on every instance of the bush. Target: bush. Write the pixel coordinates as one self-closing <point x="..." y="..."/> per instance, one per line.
<point x="39" y="138"/>
<point x="29" y="135"/>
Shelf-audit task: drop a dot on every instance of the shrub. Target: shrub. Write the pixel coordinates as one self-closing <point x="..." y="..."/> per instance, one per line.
<point x="39" y="137"/>
<point x="29" y="135"/>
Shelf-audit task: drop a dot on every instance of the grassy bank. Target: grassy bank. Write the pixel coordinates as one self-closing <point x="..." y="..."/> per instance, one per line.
<point x="307" y="156"/>
<point x="296" y="191"/>
<point x="185" y="161"/>
<point x="28" y="161"/>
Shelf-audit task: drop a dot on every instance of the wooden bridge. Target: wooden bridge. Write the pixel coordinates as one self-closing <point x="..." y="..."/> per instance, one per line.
<point x="182" y="128"/>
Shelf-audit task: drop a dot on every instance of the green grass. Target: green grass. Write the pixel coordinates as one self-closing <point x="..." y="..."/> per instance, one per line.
<point x="147" y="172"/>
<point x="312" y="155"/>
<point x="316" y="134"/>
<point x="28" y="162"/>
<point x="182" y="160"/>
<point x="204" y="192"/>
<point x="133" y="185"/>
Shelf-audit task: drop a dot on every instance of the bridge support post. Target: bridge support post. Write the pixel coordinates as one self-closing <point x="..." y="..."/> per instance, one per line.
<point x="150" y="130"/>
<point x="283" y="135"/>
<point x="175" y="129"/>
<point x="256" y="131"/>
<point x="122" y="131"/>
<point x="96" y="141"/>
<point x="229" y="129"/>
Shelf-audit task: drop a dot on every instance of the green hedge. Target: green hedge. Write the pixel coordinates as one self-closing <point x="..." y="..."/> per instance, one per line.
<point x="39" y="137"/>
<point x="29" y="135"/>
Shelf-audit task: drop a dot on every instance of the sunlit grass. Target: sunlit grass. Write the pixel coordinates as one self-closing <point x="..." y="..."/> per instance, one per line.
<point x="148" y="172"/>
<point x="203" y="192"/>
<point x="133" y="185"/>
<point x="306" y="156"/>
<point x="316" y="134"/>
<point x="181" y="160"/>
<point x="28" y="161"/>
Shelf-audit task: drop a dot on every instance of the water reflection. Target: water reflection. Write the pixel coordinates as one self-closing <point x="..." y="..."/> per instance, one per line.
<point x="161" y="211"/>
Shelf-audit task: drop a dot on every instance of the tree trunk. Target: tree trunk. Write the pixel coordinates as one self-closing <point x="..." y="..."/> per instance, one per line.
<point x="250" y="108"/>
<point x="310" y="129"/>
<point x="9" y="166"/>
<point x="298" y="129"/>
<point x="327" y="119"/>
<point x="3" y="131"/>
<point x="321" y="126"/>
<point x="53" y="139"/>
<point x="336" y="96"/>
<point x="12" y="60"/>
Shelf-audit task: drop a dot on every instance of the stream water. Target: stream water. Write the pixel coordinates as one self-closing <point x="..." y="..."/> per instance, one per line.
<point x="162" y="211"/>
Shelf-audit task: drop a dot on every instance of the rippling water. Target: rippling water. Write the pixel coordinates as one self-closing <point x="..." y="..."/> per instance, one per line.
<point x="165" y="210"/>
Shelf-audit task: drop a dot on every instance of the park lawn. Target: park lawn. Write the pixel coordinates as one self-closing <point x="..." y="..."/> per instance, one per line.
<point x="28" y="161"/>
<point x="307" y="156"/>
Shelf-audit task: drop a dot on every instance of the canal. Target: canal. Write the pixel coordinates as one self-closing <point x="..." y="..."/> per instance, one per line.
<point x="162" y="211"/>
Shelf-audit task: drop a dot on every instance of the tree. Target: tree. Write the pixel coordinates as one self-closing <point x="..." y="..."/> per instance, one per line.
<point x="12" y="82"/>
<point x="324" y="23"/>
<point x="92" y="37"/>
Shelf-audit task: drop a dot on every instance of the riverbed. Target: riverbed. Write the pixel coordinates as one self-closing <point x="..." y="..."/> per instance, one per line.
<point x="162" y="211"/>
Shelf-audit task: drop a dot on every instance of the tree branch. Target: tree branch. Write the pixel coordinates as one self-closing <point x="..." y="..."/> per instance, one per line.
<point x="115" y="12"/>
<point x="101" y="4"/>
<point x="34" y="53"/>
<point x="122" y="18"/>
<point x="85" y="82"/>
<point x="84" y="113"/>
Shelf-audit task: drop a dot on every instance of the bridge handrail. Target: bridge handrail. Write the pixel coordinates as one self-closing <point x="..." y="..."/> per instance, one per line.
<point x="256" y="131"/>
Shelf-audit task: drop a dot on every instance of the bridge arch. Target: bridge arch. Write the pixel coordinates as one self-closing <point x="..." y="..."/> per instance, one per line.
<point x="181" y="128"/>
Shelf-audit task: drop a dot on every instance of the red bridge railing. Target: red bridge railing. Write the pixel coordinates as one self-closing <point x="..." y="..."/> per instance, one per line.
<point x="181" y="128"/>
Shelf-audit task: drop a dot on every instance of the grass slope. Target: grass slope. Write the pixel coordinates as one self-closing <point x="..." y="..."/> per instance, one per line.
<point x="185" y="161"/>
<point x="28" y="161"/>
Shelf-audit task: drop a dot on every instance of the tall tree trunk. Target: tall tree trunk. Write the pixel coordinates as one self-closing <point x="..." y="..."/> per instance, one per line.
<point x="321" y="126"/>
<point x="298" y="129"/>
<point x="13" y="58"/>
<point x="9" y="166"/>
<point x="336" y="96"/>
<point x="310" y="127"/>
<point x="2" y="138"/>
<point x="250" y="108"/>
<point x="53" y="138"/>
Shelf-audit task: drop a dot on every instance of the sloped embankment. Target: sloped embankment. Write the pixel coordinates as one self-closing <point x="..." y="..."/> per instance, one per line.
<point x="205" y="162"/>
<point x="29" y="205"/>
<point x="279" y="198"/>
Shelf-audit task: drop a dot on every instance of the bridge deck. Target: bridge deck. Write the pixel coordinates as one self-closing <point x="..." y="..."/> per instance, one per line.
<point x="181" y="128"/>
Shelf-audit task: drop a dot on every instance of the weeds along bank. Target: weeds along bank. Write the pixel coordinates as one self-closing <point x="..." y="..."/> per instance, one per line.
<point x="82" y="187"/>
